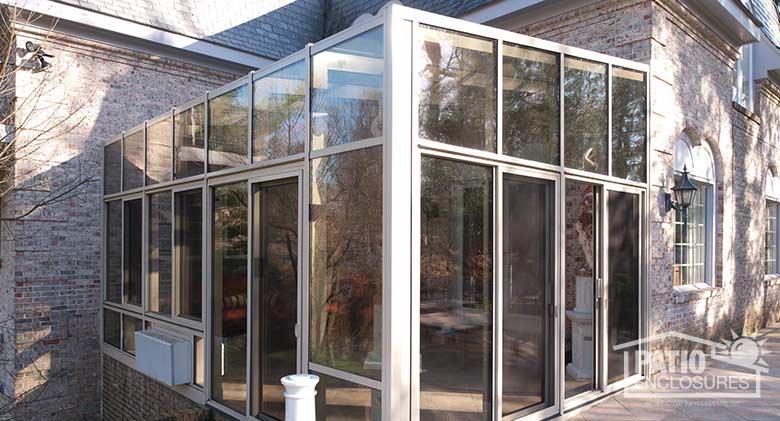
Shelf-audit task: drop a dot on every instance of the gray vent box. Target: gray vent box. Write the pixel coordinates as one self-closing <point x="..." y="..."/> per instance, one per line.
<point x="163" y="357"/>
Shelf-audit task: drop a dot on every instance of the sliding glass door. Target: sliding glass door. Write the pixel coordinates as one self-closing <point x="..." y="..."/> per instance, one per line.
<point x="274" y="292"/>
<point x="528" y="281"/>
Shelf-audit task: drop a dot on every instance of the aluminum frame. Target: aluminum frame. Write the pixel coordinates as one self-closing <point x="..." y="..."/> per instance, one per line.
<point x="402" y="153"/>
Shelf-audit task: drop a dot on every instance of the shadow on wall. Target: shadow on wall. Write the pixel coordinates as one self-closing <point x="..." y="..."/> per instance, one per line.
<point x="56" y="278"/>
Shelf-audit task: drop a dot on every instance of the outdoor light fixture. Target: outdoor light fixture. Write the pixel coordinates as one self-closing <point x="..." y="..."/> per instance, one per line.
<point x="684" y="192"/>
<point x="38" y="55"/>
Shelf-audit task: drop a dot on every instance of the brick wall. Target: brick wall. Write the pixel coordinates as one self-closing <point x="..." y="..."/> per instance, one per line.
<point x="55" y="252"/>
<point x="130" y="395"/>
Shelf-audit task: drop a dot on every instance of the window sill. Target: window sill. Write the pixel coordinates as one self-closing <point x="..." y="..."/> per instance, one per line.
<point x="772" y="280"/>
<point x="686" y="293"/>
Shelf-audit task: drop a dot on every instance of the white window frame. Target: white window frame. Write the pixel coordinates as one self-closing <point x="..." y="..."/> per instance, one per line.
<point x="772" y="194"/>
<point x="701" y="167"/>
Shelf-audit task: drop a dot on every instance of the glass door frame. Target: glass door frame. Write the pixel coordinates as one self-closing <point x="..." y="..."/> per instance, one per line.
<point x="642" y="246"/>
<point x="296" y="175"/>
<point x="601" y="386"/>
<point x="283" y="171"/>
<point x="557" y="258"/>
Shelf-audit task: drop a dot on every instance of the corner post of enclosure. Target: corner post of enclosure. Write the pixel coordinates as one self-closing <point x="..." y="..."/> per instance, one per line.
<point x="397" y="198"/>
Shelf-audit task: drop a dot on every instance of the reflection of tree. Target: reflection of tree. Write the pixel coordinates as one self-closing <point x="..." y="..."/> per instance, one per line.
<point x="456" y="250"/>
<point x="346" y="257"/>
<point x="457" y="95"/>
<point x="279" y="126"/>
<point x="188" y="135"/>
<point x="343" y="119"/>
<point x="530" y="114"/>
<point x="585" y="100"/>
<point x="629" y="128"/>
<point x="228" y="125"/>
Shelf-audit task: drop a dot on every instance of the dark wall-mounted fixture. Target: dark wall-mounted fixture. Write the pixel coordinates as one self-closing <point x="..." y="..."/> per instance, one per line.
<point x="684" y="193"/>
<point x="39" y="56"/>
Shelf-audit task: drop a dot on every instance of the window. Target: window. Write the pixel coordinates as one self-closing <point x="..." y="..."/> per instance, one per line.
<point x="694" y="249"/>
<point x="742" y="84"/>
<point x="338" y="400"/>
<point x="160" y="248"/>
<point x="585" y="115"/>
<point x="112" y="328"/>
<point x="133" y="161"/>
<point x="347" y="91"/>
<point x="279" y="114"/>
<point x="531" y="110"/>
<point x="158" y="151"/>
<point x="229" y="315"/>
<point x="132" y="266"/>
<point x="629" y="124"/>
<point x="188" y="142"/>
<point x="456" y="284"/>
<point x="346" y="261"/>
<point x="457" y="89"/>
<point x="114" y="251"/>
<point x="771" y="238"/>
<point x="112" y="167"/>
<point x="130" y="325"/>
<point x="228" y="129"/>
<point x="189" y="253"/>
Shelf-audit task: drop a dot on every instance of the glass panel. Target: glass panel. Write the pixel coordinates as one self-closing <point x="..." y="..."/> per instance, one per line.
<point x="456" y="284"/>
<point x="458" y="89"/>
<point x="200" y="361"/>
<point x="229" y="266"/>
<point x="133" y="161"/>
<point x="228" y="129"/>
<point x="531" y="117"/>
<point x="112" y="328"/>
<point x="189" y="253"/>
<point x="585" y="115"/>
<point x="159" y="143"/>
<point x="130" y="325"/>
<point x="112" y="167"/>
<point x="347" y="91"/>
<point x="132" y="252"/>
<point x="341" y="400"/>
<point x="275" y="292"/>
<point x="529" y="277"/>
<point x="346" y="262"/>
<point x="623" y="281"/>
<point x="188" y="138"/>
<point x="160" y="247"/>
<point x="279" y="114"/>
<point x="690" y="240"/>
<point x="580" y="274"/>
<point x="629" y="124"/>
<point x="114" y="251"/>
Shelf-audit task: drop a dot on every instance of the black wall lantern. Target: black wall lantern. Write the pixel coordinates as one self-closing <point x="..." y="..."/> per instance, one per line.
<point x="684" y="193"/>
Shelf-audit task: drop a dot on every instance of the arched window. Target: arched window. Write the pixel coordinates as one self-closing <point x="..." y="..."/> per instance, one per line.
<point x="694" y="245"/>
<point x="771" y="235"/>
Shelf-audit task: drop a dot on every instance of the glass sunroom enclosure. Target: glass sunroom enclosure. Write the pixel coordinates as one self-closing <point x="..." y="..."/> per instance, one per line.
<point x="442" y="220"/>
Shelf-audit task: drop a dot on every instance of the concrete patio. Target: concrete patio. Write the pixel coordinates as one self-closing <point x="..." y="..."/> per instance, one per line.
<point x="622" y="406"/>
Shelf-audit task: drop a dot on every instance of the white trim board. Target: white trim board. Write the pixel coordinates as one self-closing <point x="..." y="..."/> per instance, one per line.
<point x="135" y="36"/>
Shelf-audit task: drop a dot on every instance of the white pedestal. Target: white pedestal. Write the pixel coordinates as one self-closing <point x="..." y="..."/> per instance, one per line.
<point x="299" y="393"/>
<point x="581" y="366"/>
